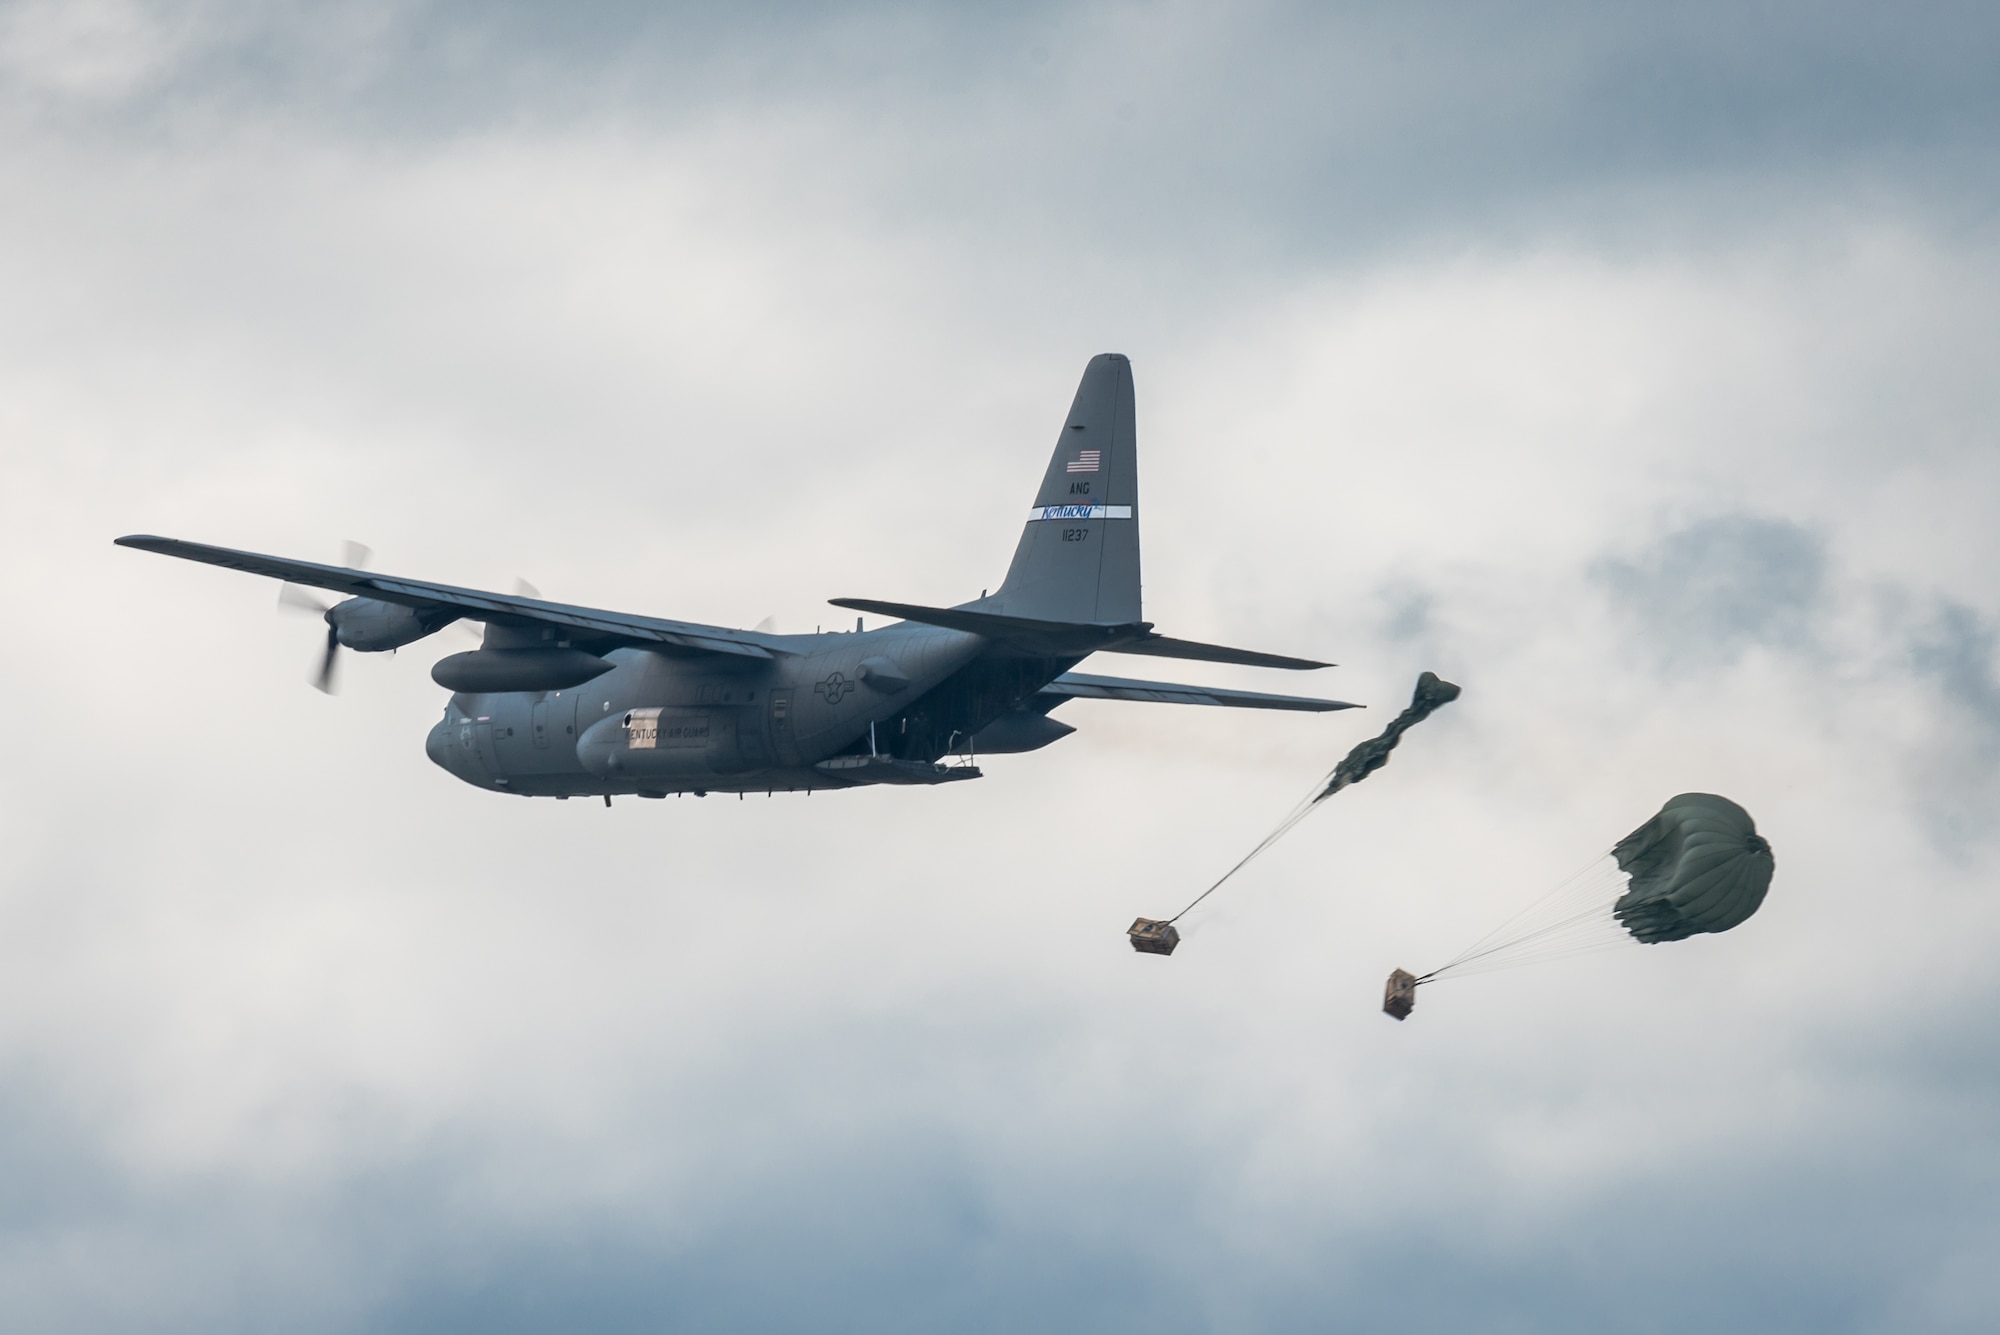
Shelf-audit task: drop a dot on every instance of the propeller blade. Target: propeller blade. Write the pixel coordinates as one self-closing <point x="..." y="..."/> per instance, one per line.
<point x="324" y="681"/>
<point x="295" y="599"/>
<point x="356" y="555"/>
<point x="768" y="626"/>
<point x="523" y="589"/>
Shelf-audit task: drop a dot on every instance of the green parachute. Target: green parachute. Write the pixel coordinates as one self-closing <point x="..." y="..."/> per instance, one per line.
<point x="1697" y="866"/>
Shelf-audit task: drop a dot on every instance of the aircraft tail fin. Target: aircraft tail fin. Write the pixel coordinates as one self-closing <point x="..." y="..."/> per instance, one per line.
<point x="1078" y="558"/>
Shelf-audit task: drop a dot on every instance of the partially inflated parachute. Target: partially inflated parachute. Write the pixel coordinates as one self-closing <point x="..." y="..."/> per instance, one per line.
<point x="1159" y="936"/>
<point x="1697" y="866"/>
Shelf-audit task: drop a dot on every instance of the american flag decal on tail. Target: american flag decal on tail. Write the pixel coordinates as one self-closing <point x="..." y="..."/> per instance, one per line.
<point x="1085" y="461"/>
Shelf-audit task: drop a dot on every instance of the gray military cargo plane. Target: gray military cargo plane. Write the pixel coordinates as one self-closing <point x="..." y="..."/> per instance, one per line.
<point x="561" y="701"/>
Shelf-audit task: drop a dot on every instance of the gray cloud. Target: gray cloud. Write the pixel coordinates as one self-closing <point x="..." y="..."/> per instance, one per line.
<point x="1957" y="650"/>
<point x="1959" y="771"/>
<point x="1708" y="592"/>
<point x="1701" y="597"/>
<point x="1250" y="139"/>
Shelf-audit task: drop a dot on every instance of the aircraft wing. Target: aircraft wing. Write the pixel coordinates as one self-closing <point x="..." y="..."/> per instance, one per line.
<point x="471" y="604"/>
<point x="1080" y="685"/>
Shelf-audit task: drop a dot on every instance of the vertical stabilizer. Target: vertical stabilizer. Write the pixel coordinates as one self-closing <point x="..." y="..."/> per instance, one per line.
<point x="1079" y="554"/>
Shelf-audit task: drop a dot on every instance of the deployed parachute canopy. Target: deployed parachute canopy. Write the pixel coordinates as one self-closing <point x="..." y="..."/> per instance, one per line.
<point x="1697" y="866"/>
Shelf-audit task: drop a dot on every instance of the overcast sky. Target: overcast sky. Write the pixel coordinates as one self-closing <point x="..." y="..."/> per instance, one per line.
<point x="1633" y="367"/>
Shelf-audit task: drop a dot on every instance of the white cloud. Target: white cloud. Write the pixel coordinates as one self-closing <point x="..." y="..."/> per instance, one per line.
<point x="95" y="49"/>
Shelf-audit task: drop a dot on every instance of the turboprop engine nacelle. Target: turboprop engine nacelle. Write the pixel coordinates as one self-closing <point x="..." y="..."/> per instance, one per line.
<point x="373" y="626"/>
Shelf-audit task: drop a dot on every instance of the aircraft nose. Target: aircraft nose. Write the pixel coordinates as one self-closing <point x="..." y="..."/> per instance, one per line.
<point x="438" y="746"/>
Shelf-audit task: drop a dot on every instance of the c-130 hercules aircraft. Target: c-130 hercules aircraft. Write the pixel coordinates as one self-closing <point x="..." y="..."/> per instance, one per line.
<point x="561" y="701"/>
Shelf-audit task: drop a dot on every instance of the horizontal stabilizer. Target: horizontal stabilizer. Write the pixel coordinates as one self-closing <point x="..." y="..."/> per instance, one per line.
<point x="1160" y="646"/>
<point x="1078" y="685"/>
<point x="1058" y="639"/>
<point x="1056" y="636"/>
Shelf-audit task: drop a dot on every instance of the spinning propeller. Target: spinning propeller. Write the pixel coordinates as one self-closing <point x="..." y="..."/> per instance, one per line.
<point x="354" y="556"/>
<point x="477" y="629"/>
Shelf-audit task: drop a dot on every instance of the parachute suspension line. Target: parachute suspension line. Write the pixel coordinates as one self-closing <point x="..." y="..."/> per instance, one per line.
<point x="1549" y="937"/>
<point x="1600" y="942"/>
<point x="1576" y="886"/>
<point x="1589" y="932"/>
<point x="1284" y="827"/>
<point x="1432" y="693"/>
<point x="1574" y="918"/>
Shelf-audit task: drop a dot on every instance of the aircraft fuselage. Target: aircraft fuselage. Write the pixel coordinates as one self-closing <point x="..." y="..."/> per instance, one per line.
<point x="829" y="711"/>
